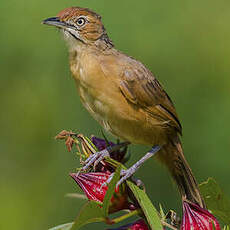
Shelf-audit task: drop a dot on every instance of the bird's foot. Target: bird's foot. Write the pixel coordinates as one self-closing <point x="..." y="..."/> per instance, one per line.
<point x="99" y="156"/>
<point x="129" y="172"/>
<point x="125" y="174"/>
<point x="96" y="158"/>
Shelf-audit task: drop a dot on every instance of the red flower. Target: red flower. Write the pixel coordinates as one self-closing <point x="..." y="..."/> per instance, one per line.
<point x="91" y="183"/>
<point x="197" y="218"/>
<point x="137" y="225"/>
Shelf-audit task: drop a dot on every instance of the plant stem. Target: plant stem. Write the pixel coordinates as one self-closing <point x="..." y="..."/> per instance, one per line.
<point x="168" y="225"/>
<point x="123" y="217"/>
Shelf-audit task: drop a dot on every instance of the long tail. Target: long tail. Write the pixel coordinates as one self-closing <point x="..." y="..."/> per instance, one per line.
<point x="172" y="156"/>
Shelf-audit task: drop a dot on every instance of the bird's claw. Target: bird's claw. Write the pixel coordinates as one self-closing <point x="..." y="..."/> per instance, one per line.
<point x="95" y="158"/>
<point x="99" y="156"/>
<point x="108" y="181"/>
<point x="125" y="174"/>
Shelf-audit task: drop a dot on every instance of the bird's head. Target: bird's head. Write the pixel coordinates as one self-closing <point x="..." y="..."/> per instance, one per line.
<point x="79" y="25"/>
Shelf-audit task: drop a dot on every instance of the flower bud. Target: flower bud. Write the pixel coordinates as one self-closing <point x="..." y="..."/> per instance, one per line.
<point x="91" y="183"/>
<point x="94" y="186"/>
<point x="197" y="218"/>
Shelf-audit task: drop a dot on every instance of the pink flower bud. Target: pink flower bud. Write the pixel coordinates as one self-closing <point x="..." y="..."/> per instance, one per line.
<point x="197" y="218"/>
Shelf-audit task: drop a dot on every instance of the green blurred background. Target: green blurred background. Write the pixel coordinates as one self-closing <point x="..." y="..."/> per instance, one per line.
<point x="185" y="43"/>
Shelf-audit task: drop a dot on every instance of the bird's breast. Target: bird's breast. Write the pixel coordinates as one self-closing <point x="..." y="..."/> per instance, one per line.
<point x="90" y="84"/>
<point x="97" y="108"/>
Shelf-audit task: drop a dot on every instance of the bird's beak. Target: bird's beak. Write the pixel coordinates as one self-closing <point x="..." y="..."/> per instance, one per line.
<point x="55" y="21"/>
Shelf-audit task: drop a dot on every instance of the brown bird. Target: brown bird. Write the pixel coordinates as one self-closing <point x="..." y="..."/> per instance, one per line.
<point x="124" y="96"/>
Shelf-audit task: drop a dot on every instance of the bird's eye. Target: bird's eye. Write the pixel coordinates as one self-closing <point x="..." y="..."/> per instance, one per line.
<point x="80" y="21"/>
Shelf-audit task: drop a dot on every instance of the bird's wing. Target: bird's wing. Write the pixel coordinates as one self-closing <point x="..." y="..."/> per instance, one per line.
<point x="140" y="87"/>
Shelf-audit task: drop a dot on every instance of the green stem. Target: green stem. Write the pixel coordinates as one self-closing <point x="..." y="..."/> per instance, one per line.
<point x="123" y="217"/>
<point x="168" y="225"/>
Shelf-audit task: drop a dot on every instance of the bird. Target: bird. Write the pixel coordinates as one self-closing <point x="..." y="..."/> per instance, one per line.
<point x="124" y="96"/>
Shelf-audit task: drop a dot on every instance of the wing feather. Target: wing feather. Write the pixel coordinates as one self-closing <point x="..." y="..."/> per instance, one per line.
<point x="140" y="87"/>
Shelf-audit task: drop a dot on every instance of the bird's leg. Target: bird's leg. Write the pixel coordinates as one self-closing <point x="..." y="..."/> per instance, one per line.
<point x="129" y="172"/>
<point x="98" y="156"/>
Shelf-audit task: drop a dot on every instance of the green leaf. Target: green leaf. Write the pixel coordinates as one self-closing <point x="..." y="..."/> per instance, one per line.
<point x="149" y="210"/>
<point x="91" y="212"/>
<point x="216" y="200"/>
<point x="63" y="227"/>
<point x="110" y="191"/>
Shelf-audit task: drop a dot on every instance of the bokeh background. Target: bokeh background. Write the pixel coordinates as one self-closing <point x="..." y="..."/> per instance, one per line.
<point x="185" y="43"/>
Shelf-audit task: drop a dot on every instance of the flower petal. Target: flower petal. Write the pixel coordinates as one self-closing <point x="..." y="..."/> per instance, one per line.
<point x="101" y="143"/>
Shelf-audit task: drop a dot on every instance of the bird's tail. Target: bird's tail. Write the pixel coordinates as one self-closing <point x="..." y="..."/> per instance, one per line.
<point x="172" y="156"/>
